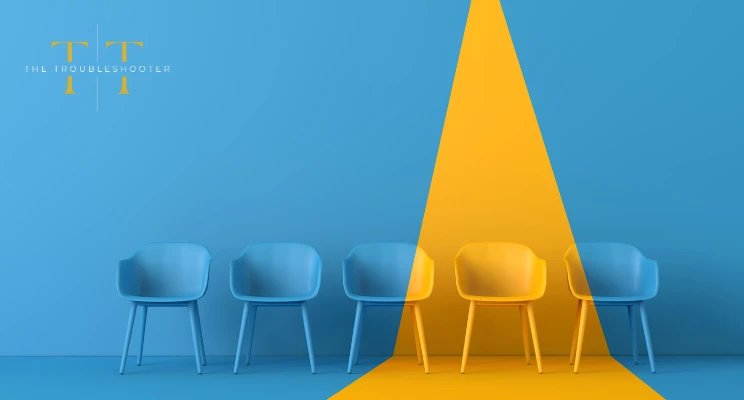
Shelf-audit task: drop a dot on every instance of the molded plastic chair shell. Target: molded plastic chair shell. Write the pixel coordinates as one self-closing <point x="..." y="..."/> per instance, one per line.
<point x="274" y="275"/>
<point x="388" y="272"/>
<point x="165" y="272"/>
<point x="611" y="272"/>
<point x="164" y="275"/>
<point x="499" y="272"/>
<point x="276" y="272"/>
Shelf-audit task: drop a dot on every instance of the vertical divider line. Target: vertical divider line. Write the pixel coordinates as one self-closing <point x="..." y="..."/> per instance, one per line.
<point x="96" y="67"/>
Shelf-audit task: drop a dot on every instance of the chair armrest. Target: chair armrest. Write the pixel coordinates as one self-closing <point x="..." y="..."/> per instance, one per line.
<point x="238" y="278"/>
<point x="650" y="277"/>
<point x="126" y="279"/>
<point x="349" y="278"/>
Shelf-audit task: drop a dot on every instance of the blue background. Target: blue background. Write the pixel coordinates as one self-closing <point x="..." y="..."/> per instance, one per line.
<point x="639" y="104"/>
<point x="319" y="122"/>
<point x="308" y="121"/>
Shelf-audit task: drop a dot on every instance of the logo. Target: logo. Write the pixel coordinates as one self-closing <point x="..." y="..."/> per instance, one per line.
<point x="132" y="53"/>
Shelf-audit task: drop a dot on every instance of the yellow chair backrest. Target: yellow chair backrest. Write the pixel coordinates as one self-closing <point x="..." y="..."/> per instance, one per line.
<point x="499" y="270"/>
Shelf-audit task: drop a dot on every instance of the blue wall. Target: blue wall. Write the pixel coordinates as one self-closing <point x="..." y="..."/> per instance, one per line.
<point x="319" y="122"/>
<point x="639" y="104"/>
<point x="309" y="121"/>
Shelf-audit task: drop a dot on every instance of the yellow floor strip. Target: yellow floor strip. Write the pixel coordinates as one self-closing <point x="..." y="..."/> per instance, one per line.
<point x="498" y="378"/>
<point x="493" y="182"/>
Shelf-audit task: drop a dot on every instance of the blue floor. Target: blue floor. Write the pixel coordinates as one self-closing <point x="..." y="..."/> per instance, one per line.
<point x="290" y="378"/>
<point x="701" y="377"/>
<point x="175" y="378"/>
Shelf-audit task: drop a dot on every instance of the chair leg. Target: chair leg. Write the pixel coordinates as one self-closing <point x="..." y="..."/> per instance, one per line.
<point x="647" y="335"/>
<point x="535" y="342"/>
<point x="201" y="335"/>
<point x="572" y="356"/>
<point x="633" y="341"/>
<point x="128" y="337"/>
<point x="195" y="336"/>
<point x="308" y="337"/>
<point x="468" y="333"/>
<point x="355" y="335"/>
<point x="580" y="338"/>
<point x="241" y="336"/>
<point x="252" y="311"/>
<point x="422" y="338"/>
<point x="525" y="333"/>
<point x="415" y="335"/>
<point x="142" y="335"/>
<point x="361" y="331"/>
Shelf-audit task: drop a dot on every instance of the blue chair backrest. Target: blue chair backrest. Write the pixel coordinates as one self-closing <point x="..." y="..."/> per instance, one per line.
<point x="379" y="269"/>
<point x="278" y="270"/>
<point x="171" y="269"/>
<point x="613" y="269"/>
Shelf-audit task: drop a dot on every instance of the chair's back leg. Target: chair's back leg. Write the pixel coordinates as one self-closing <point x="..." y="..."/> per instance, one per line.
<point x="633" y="340"/>
<point x="142" y="335"/>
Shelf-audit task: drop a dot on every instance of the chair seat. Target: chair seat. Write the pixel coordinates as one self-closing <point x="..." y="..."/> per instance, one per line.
<point x="160" y="299"/>
<point x="272" y="299"/>
<point x="613" y="299"/>
<point x="385" y="299"/>
<point x="509" y="299"/>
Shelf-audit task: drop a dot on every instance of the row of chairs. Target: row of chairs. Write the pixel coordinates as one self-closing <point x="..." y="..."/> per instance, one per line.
<point x="386" y="274"/>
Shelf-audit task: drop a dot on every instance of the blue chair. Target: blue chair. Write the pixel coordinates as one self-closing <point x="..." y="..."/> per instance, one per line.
<point x="611" y="274"/>
<point x="274" y="275"/>
<point x="388" y="274"/>
<point x="165" y="275"/>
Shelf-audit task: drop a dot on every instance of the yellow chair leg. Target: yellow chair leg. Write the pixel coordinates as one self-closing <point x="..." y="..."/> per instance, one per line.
<point x="535" y="342"/>
<point x="580" y="340"/>
<point x="415" y="335"/>
<point x="575" y="335"/>
<point x="468" y="333"/>
<point x="525" y="333"/>
<point x="422" y="338"/>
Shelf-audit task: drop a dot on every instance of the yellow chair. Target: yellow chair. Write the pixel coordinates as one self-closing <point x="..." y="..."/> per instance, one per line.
<point x="501" y="274"/>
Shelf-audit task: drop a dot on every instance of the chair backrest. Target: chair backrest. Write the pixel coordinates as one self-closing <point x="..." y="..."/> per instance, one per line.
<point x="499" y="269"/>
<point x="172" y="269"/>
<point x="396" y="270"/>
<point x="278" y="270"/>
<point x="610" y="270"/>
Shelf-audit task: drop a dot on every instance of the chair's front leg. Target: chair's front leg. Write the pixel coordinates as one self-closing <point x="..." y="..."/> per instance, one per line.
<point x="142" y="335"/>
<point x="416" y="336"/>
<point x="647" y="335"/>
<point x="357" y="350"/>
<point x="633" y="341"/>
<point x="355" y="335"/>
<point x="422" y="338"/>
<point x="580" y="338"/>
<point x="252" y="311"/>
<point x="241" y="335"/>
<point x="468" y="333"/>
<point x="525" y="332"/>
<point x="128" y="337"/>
<point x="575" y="339"/>
<point x="535" y="342"/>
<point x="308" y="337"/>
<point x="195" y="336"/>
